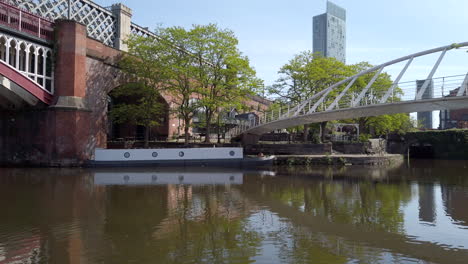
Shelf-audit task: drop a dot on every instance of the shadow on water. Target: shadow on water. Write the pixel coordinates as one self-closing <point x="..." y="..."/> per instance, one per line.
<point x="406" y="214"/>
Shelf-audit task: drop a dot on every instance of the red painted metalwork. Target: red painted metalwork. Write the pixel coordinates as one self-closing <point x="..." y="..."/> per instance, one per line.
<point x="23" y="81"/>
<point x="24" y="21"/>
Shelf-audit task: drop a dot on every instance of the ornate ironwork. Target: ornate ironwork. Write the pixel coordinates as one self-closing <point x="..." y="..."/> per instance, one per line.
<point x="24" y="21"/>
<point x="141" y="31"/>
<point x="100" y="22"/>
<point x="30" y="59"/>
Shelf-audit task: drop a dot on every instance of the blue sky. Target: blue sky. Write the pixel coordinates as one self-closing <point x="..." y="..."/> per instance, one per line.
<point x="271" y="31"/>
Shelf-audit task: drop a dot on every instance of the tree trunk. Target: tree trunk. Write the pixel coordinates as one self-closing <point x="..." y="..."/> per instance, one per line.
<point x="219" y="131"/>
<point x="362" y="126"/>
<point x="208" y="129"/>
<point x="323" y="126"/>
<point x="306" y="132"/>
<point x="186" y="131"/>
<point x="147" y="133"/>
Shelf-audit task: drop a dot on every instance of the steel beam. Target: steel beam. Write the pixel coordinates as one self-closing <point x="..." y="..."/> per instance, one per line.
<point x="335" y="103"/>
<point x="431" y="74"/>
<point x="395" y="83"/>
<point x="297" y="109"/>
<point x="369" y="85"/>
<point x="405" y="58"/>
<point x="464" y="87"/>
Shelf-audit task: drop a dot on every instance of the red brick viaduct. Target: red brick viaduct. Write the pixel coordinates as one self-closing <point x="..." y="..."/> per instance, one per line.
<point x="68" y="131"/>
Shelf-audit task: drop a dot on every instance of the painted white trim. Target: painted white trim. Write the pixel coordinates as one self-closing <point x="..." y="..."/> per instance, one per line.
<point x="163" y="178"/>
<point x="32" y="76"/>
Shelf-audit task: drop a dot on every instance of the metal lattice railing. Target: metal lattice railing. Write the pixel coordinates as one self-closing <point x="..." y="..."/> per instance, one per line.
<point x="100" y="22"/>
<point x="141" y="31"/>
<point x="24" y="21"/>
<point x="344" y="97"/>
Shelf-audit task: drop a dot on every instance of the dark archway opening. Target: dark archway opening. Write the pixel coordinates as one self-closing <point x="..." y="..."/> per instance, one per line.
<point x="129" y="127"/>
<point x="421" y="151"/>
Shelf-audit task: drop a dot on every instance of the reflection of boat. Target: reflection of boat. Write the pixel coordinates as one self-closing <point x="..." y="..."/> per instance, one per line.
<point x="190" y="157"/>
<point x="162" y="178"/>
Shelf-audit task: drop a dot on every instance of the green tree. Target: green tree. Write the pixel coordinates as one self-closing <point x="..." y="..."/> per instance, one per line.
<point x="144" y="63"/>
<point x="138" y="104"/>
<point x="384" y="124"/>
<point x="181" y="69"/>
<point x="307" y="74"/>
<point x="223" y="75"/>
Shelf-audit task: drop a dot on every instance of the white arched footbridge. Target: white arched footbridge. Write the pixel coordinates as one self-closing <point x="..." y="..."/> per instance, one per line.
<point x="444" y="93"/>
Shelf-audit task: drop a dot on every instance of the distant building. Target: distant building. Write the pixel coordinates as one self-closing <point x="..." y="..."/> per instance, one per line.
<point x="329" y="33"/>
<point x="425" y="118"/>
<point x="250" y="118"/>
<point x="453" y="118"/>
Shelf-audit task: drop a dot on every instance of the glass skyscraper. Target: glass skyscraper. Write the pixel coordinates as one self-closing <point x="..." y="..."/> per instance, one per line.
<point x="329" y="32"/>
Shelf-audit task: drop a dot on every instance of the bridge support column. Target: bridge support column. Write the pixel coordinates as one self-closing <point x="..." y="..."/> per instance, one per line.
<point x="124" y="21"/>
<point x="69" y="118"/>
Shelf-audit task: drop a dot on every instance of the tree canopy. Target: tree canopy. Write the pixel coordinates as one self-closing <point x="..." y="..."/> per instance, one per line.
<point x="199" y="68"/>
<point x="223" y="74"/>
<point x="139" y="102"/>
<point x="307" y="74"/>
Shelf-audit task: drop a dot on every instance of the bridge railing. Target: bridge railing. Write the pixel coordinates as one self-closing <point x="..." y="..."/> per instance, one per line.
<point x="24" y="21"/>
<point x="347" y="95"/>
<point x="141" y="31"/>
<point x="101" y="22"/>
<point x="33" y="60"/>
<point x="367" y="95"/>
<point x="448" y="86"/>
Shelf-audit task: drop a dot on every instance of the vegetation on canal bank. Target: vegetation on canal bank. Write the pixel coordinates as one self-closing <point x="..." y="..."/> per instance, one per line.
<point x="444" y="144"/>
<point x="339" y="160"/>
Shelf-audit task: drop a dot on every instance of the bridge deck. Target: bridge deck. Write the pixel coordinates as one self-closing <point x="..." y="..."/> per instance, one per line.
<point x="447" y="103"/>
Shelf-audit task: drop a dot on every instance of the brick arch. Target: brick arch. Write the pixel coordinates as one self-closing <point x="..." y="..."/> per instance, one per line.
<point x="103" y="76"/>
<point x="130" y="130"/>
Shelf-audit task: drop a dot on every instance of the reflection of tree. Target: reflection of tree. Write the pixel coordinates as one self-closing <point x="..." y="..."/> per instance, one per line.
<point x="132" y="214"/>
<point x="298" y="245"/>
<point x="332" y="219"/>
<point x="371" y="205"/>
<point x="212" y="229"/>
<point x="180" y="224"/>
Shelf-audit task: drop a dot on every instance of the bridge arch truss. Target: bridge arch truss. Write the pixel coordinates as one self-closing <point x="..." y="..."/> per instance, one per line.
<point x="346" y="103"/>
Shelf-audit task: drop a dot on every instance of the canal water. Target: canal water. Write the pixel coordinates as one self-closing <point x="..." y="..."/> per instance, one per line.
<point x="415" y="213"/>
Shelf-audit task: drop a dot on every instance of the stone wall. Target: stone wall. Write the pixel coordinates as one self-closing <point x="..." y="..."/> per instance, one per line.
<point x="68" y="131"/>
<point x="445" y="144"/>
<point x="44" y="137"/>
<point x="340" y="160"/>
<point x="288" y="149"/>
<point x="350" y="148"/>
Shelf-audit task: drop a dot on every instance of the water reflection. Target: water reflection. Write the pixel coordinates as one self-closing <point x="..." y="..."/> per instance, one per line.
<point x="167" y="177"/>
<point x="426" y="203"/>
<point x="404" y="214"/>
